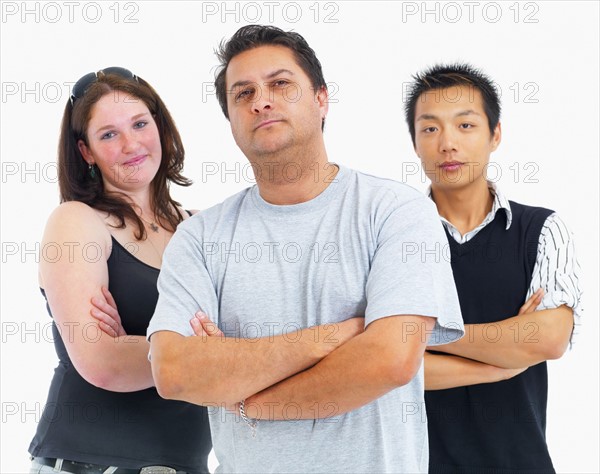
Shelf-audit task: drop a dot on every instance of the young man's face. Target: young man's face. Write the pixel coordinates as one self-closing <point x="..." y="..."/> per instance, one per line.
<point x="271" y="102"/>
<point x="452" y="137"/>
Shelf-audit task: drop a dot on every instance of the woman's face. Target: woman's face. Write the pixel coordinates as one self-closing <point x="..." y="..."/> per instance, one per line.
<point x="123" y="141"/>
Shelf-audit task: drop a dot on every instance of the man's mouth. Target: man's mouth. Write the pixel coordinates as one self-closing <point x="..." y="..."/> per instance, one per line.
<point x="266" y="123"/>
<point x="450" y="165"/>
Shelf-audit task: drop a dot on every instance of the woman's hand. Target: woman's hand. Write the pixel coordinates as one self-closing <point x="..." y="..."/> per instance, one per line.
<point x="105" y="311"/>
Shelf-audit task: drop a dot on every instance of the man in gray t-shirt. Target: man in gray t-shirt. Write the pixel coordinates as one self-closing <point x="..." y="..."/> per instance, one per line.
<point x="296" y="382"/>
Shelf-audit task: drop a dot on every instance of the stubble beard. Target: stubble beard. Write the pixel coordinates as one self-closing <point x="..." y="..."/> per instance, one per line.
<point x="285" y="159"/>
<point x="278" y="161"/>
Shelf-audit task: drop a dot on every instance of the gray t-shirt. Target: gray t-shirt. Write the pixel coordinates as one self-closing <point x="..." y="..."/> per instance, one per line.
<point x="365" y="246"/>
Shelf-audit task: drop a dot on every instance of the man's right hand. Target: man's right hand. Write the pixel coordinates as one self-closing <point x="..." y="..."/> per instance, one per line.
<point x="532" y="303"/>
<point x="203" y="326"/>
<point x="332" y="333"/>
<point x="510" y="373"/>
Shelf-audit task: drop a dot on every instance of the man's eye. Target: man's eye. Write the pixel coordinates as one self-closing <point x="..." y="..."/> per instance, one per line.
<point x="280" y="83"/>
<point x="466" y="125"/>
<point x="429" y="129"/>
<point x="244" y="94"/>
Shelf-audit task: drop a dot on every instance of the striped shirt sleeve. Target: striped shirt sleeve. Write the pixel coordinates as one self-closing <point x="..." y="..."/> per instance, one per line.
<point x="557" y="271"/>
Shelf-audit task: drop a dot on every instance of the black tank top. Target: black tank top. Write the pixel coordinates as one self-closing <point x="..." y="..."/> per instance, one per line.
<point x="84" y="423"/>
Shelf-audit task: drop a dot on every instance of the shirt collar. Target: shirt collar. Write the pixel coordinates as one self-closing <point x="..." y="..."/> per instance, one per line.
<point x="500" y="202"/>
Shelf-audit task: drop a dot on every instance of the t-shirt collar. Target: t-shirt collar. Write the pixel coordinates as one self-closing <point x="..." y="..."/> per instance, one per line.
<point x="334" y="189"/>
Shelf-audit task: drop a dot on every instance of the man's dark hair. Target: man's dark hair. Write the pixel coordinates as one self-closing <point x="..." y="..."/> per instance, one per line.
<point x="252" y="36"/>
<point x="442" y="76"/>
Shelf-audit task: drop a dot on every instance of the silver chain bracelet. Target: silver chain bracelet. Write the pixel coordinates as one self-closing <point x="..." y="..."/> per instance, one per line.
<point x="251" y="423"/>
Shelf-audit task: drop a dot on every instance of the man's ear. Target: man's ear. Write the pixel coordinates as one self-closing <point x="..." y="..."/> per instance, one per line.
<point x="322" y="98"/>
<point x="85" y="152"/>
<point x="497" y="136"/>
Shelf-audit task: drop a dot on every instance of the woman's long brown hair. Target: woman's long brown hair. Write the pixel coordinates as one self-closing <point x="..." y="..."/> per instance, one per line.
<point x="75" y="181"/>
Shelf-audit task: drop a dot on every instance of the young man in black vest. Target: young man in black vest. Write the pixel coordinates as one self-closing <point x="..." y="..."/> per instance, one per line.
<point x="517" y="280"/>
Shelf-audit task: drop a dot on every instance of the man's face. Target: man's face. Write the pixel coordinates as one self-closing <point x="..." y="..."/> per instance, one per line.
<point x="271" y="102"/>
<point x="452" y="137"/>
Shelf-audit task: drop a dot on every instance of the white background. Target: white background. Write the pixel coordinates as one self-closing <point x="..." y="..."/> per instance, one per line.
<point x="545" y="51"/>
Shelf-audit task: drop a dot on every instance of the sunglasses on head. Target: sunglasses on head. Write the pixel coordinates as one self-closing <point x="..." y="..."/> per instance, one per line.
<point x="86" y="81"/>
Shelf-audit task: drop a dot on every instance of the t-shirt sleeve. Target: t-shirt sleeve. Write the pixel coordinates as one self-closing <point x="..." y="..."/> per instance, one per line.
<point x="184" y="286"/>
<point x="411" y="273"/>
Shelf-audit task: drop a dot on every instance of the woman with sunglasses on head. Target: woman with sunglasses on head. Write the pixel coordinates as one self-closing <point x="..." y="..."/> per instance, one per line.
<point x="119" y="151"/>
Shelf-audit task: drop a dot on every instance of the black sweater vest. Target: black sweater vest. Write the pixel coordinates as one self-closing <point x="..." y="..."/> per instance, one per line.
<point x="496" y="427"/>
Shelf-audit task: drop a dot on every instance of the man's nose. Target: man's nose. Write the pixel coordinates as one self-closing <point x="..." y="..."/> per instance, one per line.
<point x="448" y="141"/>
<point x="263" y="102"/>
